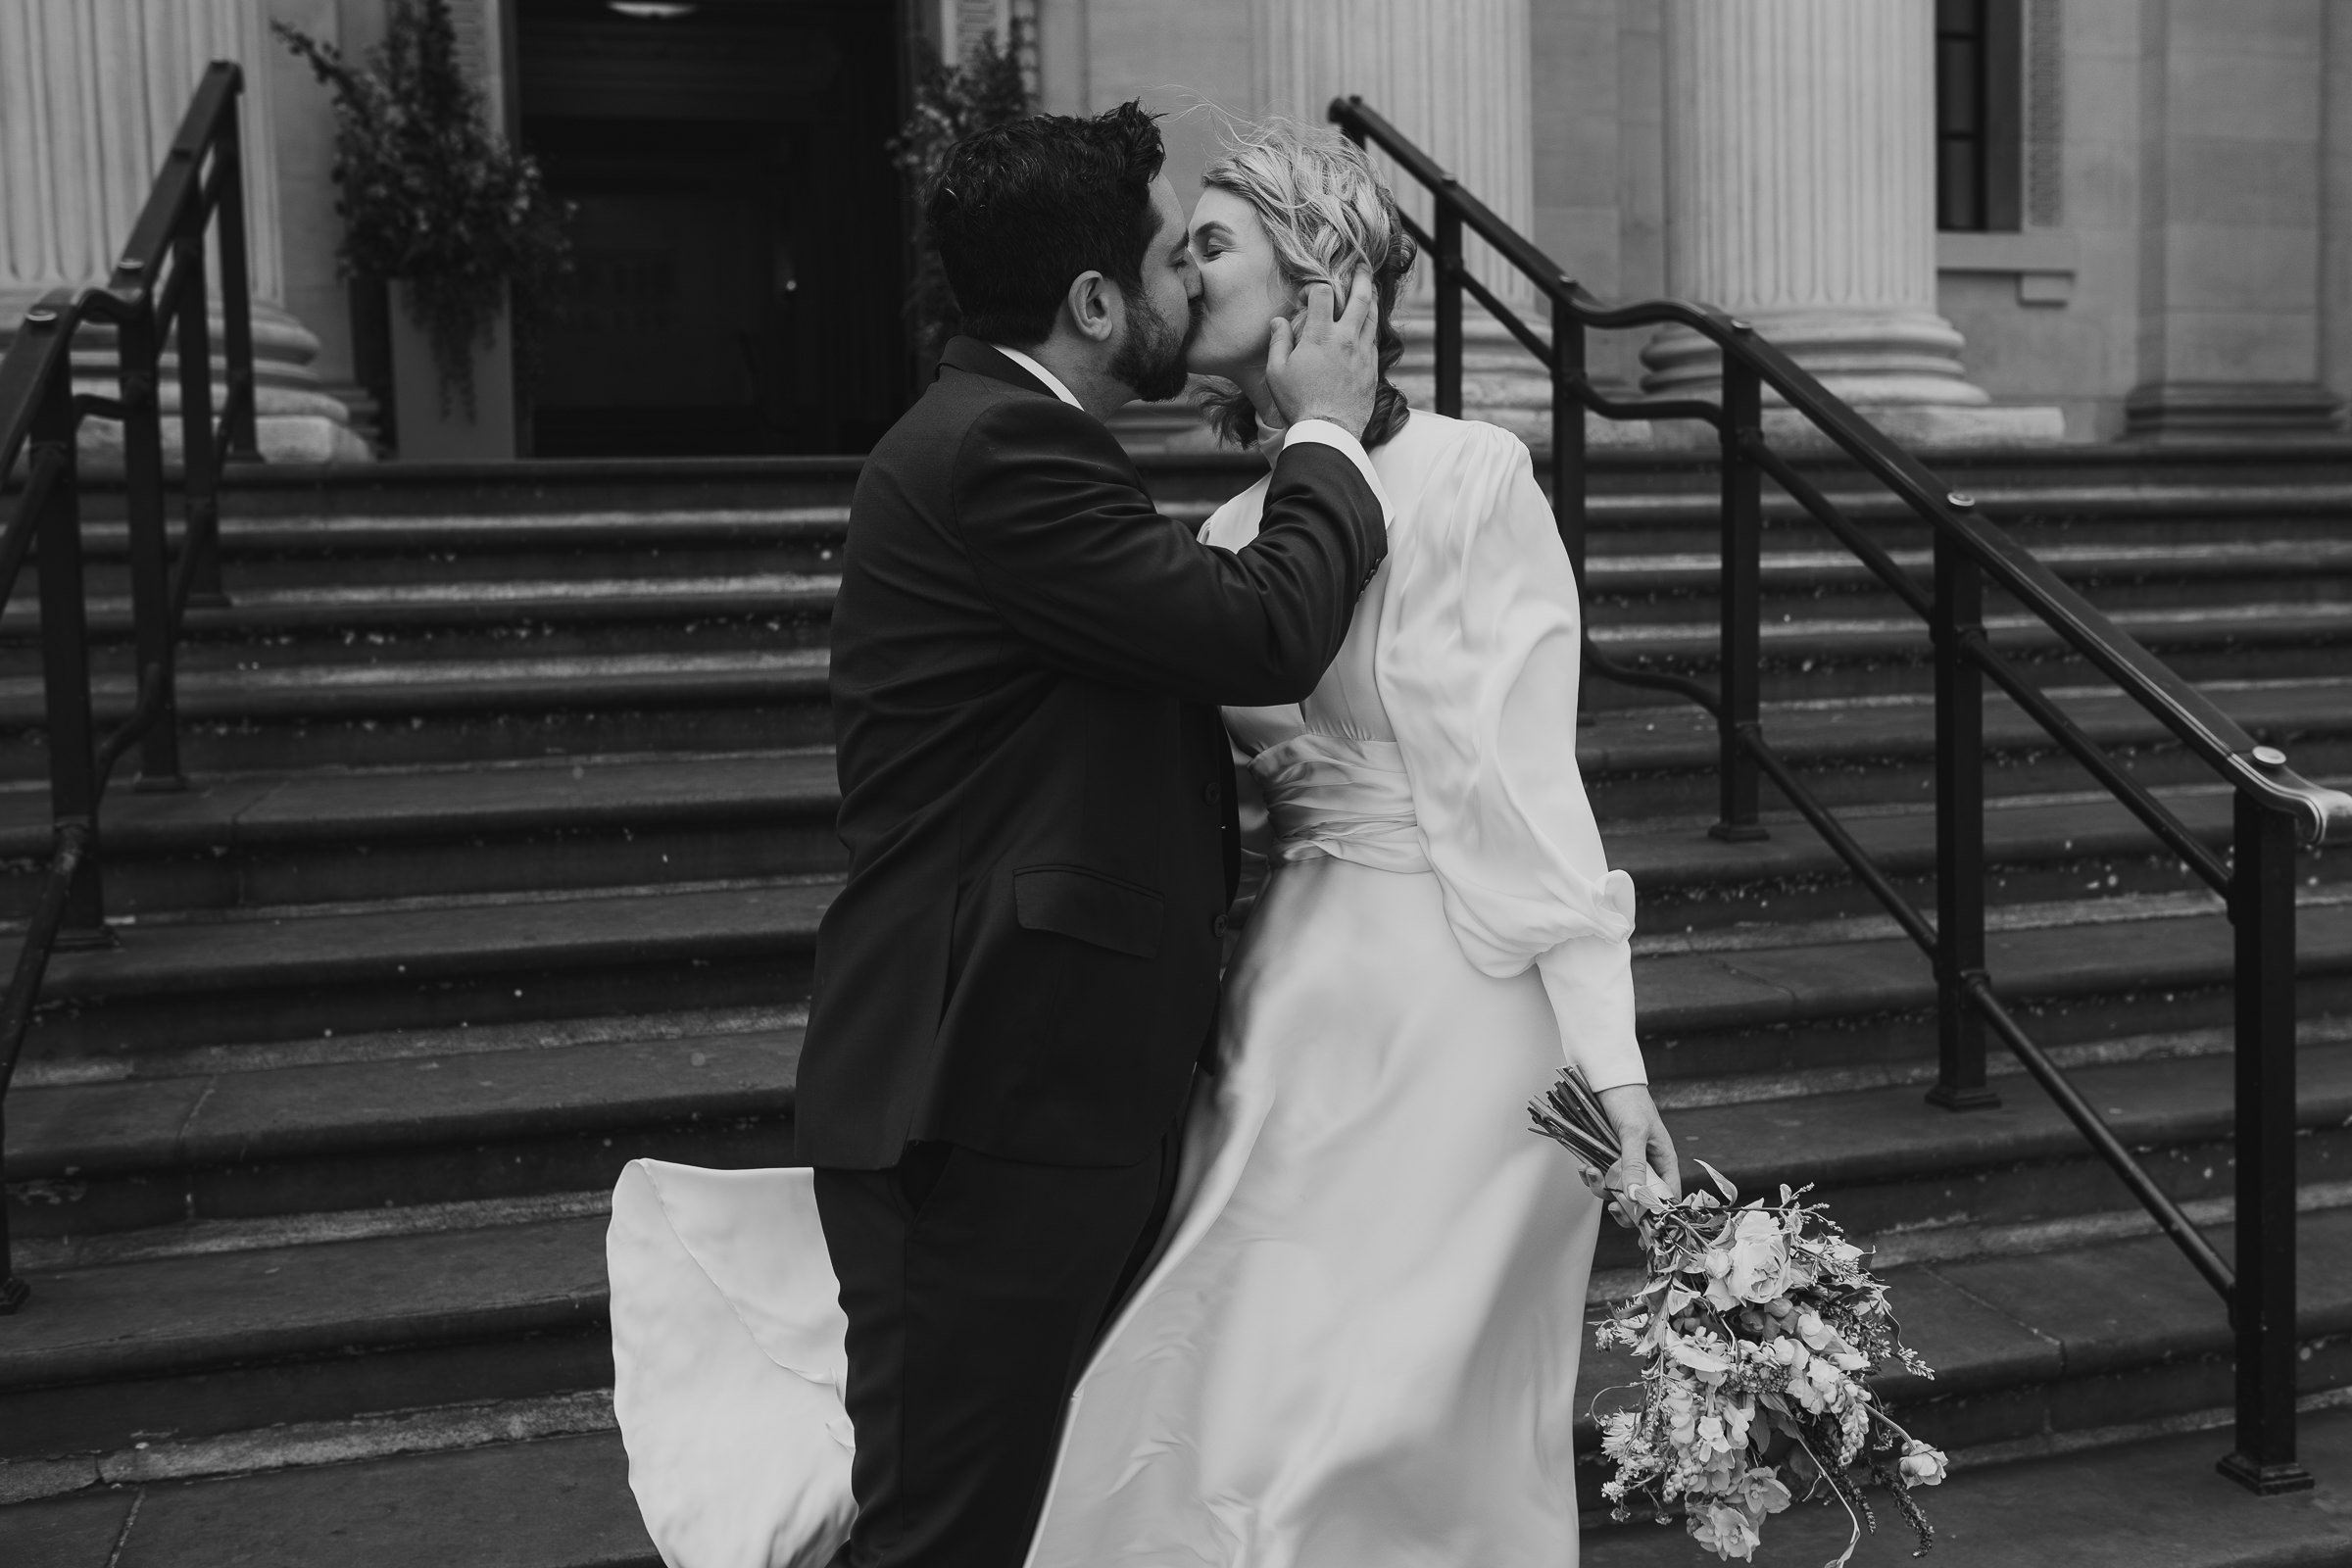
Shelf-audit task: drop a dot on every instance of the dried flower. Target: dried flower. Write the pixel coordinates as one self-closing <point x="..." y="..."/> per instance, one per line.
<point x="1922" y="1466"/>
<point x="1758" y="1331"/>
<point x="1725" y="1532"/>
<point x="1752" y="1264"/>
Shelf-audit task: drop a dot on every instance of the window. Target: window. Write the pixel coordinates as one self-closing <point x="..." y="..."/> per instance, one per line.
<point x="1978" y="115"/>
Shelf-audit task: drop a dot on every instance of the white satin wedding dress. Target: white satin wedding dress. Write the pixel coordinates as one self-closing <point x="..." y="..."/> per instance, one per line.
<point x="1358" y="1347"/>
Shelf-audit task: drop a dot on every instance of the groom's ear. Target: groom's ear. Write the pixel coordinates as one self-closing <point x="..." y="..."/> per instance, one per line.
<point x="1093" y="306"/>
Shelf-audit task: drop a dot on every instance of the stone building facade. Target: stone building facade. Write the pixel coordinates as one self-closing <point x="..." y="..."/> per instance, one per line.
<point x="1981" y="219"/>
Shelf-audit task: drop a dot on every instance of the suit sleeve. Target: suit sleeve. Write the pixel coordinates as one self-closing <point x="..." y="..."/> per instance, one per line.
<point x="1071" y="552"/>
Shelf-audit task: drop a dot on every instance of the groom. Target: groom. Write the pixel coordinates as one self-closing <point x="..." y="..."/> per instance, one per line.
<point x="1014" y="986"/>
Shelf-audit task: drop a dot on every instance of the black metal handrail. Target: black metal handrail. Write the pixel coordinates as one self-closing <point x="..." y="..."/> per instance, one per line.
<point x="159" y="287"/>
<point x="2275" y="806"/>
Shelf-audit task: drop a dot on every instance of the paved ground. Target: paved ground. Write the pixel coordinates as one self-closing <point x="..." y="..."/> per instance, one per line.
<point x="2147" y="1505"/>
<point x="565" y="1503"/>
<point x="562" y="1503"/>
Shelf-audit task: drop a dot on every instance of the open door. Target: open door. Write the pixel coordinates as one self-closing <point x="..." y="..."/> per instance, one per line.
<point x="738" y="244"/>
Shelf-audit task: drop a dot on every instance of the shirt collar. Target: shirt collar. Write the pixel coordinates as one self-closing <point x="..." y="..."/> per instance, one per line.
<point x="1053" y="382"/>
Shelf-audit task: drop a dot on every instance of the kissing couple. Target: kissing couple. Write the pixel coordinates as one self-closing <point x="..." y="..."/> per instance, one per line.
<point x="1018" y="1305"/>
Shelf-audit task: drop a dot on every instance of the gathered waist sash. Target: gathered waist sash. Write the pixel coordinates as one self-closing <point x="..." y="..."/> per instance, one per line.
<point x="1347" y="799"/>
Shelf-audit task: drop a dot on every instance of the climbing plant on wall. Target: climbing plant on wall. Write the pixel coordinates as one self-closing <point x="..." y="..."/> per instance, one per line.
<point x="990" y="86"/>
<point x="431" y="196"/>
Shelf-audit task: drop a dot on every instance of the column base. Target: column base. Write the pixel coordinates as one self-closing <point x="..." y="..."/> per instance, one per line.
<point x="295" y="419"/>
<point x="1919" y="428"/>
<point x="1899" y="370"/>
<point x="2228" y="411"/>
<point x="1502" y="383"/>
<point x="2265" y="1480"/>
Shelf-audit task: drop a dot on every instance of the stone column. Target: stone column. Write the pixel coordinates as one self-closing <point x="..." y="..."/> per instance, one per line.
<point x="1801" y="189"/>
<point x="91" y="92"/>
<point x="1453" y="76"/>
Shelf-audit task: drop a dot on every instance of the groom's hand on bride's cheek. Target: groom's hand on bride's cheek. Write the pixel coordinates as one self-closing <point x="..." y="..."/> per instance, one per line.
<point x="1327" y="365"/>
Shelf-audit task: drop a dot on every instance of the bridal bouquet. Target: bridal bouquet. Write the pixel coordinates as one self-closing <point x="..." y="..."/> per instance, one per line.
<point x="1758" y="1332"/>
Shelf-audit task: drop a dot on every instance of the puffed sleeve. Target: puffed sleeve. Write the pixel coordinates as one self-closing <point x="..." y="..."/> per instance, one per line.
<point x="1477" y="664"/>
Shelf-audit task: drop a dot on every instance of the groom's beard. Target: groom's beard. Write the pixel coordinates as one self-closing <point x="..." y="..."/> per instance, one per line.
<point x="1151" y="359"/>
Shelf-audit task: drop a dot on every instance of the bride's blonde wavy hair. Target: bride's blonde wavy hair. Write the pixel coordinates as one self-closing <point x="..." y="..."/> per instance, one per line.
<point x="1328" y="214"/>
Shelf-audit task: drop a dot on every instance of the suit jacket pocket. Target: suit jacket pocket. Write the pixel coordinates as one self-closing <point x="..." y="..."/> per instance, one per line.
<point x="1073" y="902"/>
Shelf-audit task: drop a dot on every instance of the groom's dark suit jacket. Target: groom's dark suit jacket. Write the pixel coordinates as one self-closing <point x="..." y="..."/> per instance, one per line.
<point x="1036" y="790"/>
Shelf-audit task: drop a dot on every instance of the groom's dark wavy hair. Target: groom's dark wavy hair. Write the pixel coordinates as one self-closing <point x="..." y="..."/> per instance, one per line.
<point x="1021" y="209"/>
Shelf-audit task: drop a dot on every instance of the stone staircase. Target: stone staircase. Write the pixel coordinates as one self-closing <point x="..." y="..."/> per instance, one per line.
<point x="509" y="833"/>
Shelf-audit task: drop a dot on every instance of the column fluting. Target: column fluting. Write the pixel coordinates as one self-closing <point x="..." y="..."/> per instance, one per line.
<point x="91" y="92"/>
<point x="1801" y="189"/>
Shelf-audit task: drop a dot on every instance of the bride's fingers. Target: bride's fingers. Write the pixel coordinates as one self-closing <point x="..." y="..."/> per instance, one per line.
<point x="1662" y="1160"/>
<point x="1633" y="1157"/>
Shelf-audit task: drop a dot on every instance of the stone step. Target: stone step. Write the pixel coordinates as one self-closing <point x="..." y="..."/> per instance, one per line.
<point x="563" y="1502"/>
<point x="441" y="711"/>
<point x="263" y="1141"/>
<point x="430" y="964"/>
<point x="1633" y="548"/>
<point x="2041" y="848"/>
<point x="1643" y="763"/>
<point x="1648" y="607"/>
<point x="1809" y="656"/>
<point x="2073" y="1347"/>
<point x="242" y="1138"/>
<point x="376" y="618"/>
<point x="2155" y="1501"/>
<point x="1639" y="565"/>
<point x="291" y="971"/>
<point x="1801" y="999"/>
<point x="195" y="1344"/>
<point x="278" y="841"/>
<point x="2064" y="1344"/>
<point x="248" y="840"/>
<point x="1811" y="653"/>
<point x="278" y="844"/>
<point x="552" y="1502"/>
<point x="481" y="711"/>
<point x="1929" y="1183"/>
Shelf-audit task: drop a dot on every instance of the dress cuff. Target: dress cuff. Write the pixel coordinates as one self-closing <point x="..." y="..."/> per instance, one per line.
<point x="1329" y="434"/>
<point x="1591" y="983"/>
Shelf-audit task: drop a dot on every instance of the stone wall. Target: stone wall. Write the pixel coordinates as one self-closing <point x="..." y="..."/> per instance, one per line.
<point x="2186" y="265"/>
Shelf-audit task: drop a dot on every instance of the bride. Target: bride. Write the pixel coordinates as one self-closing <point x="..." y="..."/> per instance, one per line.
<point x="1358" y="1344"/>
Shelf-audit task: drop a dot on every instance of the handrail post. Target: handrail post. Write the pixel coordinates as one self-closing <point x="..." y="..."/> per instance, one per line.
<point x="236" y="303"/>
<point x="2263" y="1315"/>
<point x="150" y="559"/>
<point x="1448" y="235"/>
<point x="66" y="667"/>
<point x="1568" y="433"/>
<point x="1959" y="618"/>
<point x="200" y="471"/>
<point x="13" y="1290"/>
<point x="1740" y="688"/>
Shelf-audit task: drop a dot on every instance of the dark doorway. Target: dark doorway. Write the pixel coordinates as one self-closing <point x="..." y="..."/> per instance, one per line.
<point x="738" y="230"/>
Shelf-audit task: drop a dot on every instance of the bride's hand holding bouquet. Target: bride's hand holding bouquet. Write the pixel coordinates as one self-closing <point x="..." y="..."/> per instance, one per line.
<point x="1758" y="1329"/>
